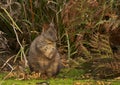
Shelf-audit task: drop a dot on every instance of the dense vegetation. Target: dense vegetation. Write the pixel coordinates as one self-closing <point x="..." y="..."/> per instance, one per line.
<point x="88" y="34"/>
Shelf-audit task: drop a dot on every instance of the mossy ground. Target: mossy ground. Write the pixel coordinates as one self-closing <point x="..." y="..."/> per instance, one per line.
<point x="58" y="81"/>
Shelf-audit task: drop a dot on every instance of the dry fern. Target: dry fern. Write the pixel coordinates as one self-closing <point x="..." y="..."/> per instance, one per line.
<point x="103" y="68"/>
<point x="100" y="46"/>
<point x="103" y="64"/>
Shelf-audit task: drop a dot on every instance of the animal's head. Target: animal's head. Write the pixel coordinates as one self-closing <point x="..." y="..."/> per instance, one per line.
<point x="50" y="33"/>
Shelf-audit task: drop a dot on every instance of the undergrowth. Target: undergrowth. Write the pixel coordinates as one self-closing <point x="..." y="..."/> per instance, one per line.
<point x="87" y="30"/>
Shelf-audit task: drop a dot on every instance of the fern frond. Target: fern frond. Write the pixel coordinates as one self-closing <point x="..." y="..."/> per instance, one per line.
<point x="100" y="46"/>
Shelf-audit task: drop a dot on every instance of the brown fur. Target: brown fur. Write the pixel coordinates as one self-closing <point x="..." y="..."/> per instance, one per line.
<point x="43" y="55"/>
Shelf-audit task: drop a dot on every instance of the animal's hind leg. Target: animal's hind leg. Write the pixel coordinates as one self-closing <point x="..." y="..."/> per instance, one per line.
<point x="53" y="69"/>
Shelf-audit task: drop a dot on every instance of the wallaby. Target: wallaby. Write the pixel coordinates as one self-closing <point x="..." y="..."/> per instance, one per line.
<point x="43" y="54"/>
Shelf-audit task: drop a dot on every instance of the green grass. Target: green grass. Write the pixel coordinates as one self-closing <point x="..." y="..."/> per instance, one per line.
<point x="33" y="82"/>
<point x="59" y="81"/>
<point x="62" y="79"/>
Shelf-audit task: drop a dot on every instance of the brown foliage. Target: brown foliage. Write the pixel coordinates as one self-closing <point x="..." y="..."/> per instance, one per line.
<point x="103" y="68"/>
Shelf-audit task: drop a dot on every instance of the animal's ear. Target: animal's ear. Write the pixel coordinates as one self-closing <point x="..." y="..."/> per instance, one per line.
<point x="51" y="25"/>
<point x="45" y="27"/>
<point x="51" y="30"/>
